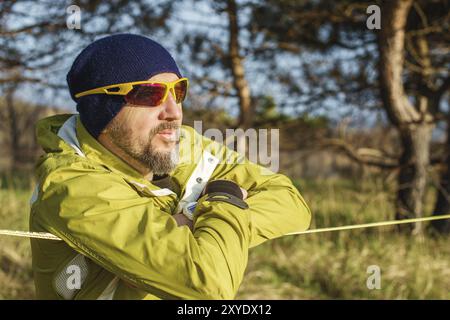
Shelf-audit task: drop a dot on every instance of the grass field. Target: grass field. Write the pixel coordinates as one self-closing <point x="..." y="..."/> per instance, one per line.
<point x="319" y="266"/>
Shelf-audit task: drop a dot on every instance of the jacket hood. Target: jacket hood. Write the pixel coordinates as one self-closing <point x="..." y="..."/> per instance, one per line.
<point x="47" y="133"/>
<point x="64" y="139"/>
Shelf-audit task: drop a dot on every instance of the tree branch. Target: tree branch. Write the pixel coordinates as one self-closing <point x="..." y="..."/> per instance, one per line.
<point x="365" y="156"/>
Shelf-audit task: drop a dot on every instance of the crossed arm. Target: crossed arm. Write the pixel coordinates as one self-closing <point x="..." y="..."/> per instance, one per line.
<point x="182" y="220"/>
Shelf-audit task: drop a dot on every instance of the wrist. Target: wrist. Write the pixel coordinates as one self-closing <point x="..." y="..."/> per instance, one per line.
<point x="224" y="186"/>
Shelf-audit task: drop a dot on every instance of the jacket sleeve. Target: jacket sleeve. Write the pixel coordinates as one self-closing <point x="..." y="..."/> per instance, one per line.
<point x="276" y="207"/>
<point x="100" y="216"/>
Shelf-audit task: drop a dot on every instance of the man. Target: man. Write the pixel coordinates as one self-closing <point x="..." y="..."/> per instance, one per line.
<point x="121" y="181"/>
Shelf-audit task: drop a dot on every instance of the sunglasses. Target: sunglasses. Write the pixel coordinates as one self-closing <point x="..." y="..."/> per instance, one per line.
<point x="144" y="93"/>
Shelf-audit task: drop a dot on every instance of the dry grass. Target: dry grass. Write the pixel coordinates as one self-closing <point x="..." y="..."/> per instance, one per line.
<point x="16" y="281"/>
<point x="330" y="265"/>
<point x="334" y="265"/>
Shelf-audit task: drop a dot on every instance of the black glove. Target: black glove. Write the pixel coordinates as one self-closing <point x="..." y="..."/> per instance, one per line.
<point x="226" y="191"/>
<point x="225" y="186"/>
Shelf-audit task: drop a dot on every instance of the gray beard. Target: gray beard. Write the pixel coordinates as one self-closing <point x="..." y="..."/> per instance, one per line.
<point x="159" y="163"/>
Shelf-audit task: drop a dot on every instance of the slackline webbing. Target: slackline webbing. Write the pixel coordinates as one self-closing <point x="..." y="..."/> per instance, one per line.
<point x="49" y="236"/>
<point x="373" y="224"/>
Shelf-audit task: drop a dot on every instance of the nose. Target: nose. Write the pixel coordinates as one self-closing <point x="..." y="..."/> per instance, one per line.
<point x="171" y="110"/>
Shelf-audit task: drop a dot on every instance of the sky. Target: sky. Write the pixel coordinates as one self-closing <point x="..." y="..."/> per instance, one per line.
<point x="191" y="16"/>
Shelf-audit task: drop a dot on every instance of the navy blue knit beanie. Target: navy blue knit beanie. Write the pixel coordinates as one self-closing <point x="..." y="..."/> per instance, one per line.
<point x="115" y="59"/>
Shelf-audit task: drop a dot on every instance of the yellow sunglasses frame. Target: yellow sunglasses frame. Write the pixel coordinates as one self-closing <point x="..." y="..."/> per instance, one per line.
<point x="125" y="88"/>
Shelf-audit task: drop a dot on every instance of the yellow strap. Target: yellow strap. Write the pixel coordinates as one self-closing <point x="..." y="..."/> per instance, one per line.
<point x="49" y="236"/>
<point x="29" y="234"/>
<point x="373" y="224"/>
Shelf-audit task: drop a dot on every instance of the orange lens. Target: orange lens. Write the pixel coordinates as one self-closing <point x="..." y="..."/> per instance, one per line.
<point x="181" y="90"/>
<point x="152" y="94"/>
<point x="147" y="94"/>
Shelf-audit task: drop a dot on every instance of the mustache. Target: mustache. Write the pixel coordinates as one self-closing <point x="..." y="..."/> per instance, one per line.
<point x="165" y="126"/>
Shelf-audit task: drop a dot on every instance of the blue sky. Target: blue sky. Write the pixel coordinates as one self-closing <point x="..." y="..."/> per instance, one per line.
<point x="185" y="20"/>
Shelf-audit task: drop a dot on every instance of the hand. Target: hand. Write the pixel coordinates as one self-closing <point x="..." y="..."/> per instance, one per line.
<point x="182" y="220"/>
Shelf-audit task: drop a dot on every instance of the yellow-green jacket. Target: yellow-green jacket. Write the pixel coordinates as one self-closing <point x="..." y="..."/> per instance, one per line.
<point x="120" y="240"/>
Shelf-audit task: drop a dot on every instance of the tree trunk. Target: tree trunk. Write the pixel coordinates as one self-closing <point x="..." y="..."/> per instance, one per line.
<point x="14" y="137"/>
<point x="391" y="45"/>
<point x="442" y="205"/>
<point x="415" y="124"/>
<point x="237" y="69"/>
<point x="412" y="179"/>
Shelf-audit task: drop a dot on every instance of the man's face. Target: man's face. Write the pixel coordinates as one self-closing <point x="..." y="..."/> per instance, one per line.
<point x="149" y="135"/>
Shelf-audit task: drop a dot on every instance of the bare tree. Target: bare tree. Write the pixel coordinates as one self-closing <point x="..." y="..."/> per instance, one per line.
<point x="415" y="123"/>
<point x="240" y="84"/>
<point x="402" y="70"/>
